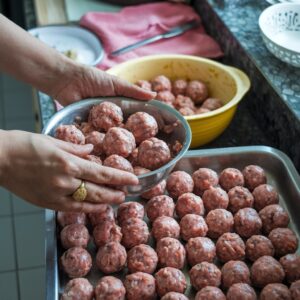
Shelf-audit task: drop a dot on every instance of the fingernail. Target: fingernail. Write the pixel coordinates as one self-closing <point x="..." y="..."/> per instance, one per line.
<point x="135" y="180"/>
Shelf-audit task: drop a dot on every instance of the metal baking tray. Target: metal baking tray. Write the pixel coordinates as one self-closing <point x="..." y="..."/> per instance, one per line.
<point x="281" y="173"/>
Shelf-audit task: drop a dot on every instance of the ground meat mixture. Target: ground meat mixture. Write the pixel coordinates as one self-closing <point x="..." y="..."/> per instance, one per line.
<point x="166" y="96"/>
<point x="65" y="218"/>
<point x="178" y="183"/>
<point x="158" y="206"/>
<point x="189" y="203"/>
<point x="161" y="83"/>
<point x="94" y="158"/>
<point x="105" y="214"/>
<point x="186" y="111"/>
<point x="69" y="133"/>
<point x="184" y="102"/>
<point x="239" y="197"/>
<point x="179" y="87"/>
<point x="275" y="291"/>
<point x="230" y="178"/>
<point x="74" y="235"/>
<point x="264" y="195"/>
<point x="295" y="290"/>
<point x="210" y="293"/>
<point x="157" y="190"/>
<point x="212" y="103"/>
<point x="254" y="176"/>
<point x="241" y="291"/>
<point x="202" y="110"/>
<point x="257" y="246"/>
<point x="197" y="91"/>
<point x="110" y="288"/>
<point x="95" y="138"/>
<point x="204" y="178"/>
<point x="291" y="266"/>
<point x="118" y="162"/>
<point x="215" y="197"/>
<point x="106" y="232"/>
<point x="192" y="225"/>
<point x="78" y="289"/>
<point x="144" y="84"/>
<point x="129" y="210"/>
<point x="174" y="296"/>
<point x="86" y="128"/>
<point x="165" y="227"/>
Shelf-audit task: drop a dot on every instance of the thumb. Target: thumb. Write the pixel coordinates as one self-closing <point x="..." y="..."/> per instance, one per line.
<point x="78" y="150"/>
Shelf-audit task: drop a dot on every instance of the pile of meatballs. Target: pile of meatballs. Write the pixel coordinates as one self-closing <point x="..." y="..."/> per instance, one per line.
<point x="188" y="97"/>
<point x="228" y="229"/>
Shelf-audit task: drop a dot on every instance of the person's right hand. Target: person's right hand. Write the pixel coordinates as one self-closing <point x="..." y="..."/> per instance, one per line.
<point x="46" y="171"/>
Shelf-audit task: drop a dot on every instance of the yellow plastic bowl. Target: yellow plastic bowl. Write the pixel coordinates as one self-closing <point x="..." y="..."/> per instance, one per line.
<point x="226" y="83"/>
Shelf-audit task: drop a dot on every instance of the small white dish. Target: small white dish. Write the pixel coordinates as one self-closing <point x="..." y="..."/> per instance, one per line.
<point x="78" y="43"/>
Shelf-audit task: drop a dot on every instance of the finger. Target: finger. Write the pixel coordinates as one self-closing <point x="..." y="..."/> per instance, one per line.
<point x="79" y="150"/>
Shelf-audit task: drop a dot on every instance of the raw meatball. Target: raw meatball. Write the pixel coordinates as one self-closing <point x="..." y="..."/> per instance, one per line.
<point x="275" y="291"/>
<point x="161" y="83"/>
<point x="118" y="162"/>
<point x="105" y="116"/>
<point x="129" y="210"/>
<point x="204" y="179"/>
<point x="135" y="231"/>
<point x="184" y="102"/>
<point x="179" y="87"/>
<point x="247" y="222"/>
<point x="240" y="291"/>
<point x="158" y="206"/>
<point x="266" y="270"/>
<point x="239" y="197"/>
<point x="139" y="286"/>
<point x="189" y="203"/>
<point x="186" y="111"/>
<point x="76" y="262"/>
<point x="178" y="183"/>
<point x="78" y="289"/>
<point x="235" y="272"/>
<point x="219" y="221"/>
<point x="176" y="148"/>
<point x="94" y="158"/>
<point x="133" y="159"/>
<point x="212" y="104"/>
<point x="69" y="133"/>
<point x="230" y="247"/>
<point x="202" y="110"/>
<point x="295" y="290"/>
<point x="257" y="246"/>
<point x="142" y="125"/>
<point x="142" y="258"/>
<point x="284" y="241"/>
<point x="197" y="91"/>
<point x="174" y="296"/>
<point x="215" y="197"/>
<point x="166" y="96"/>
<point x="230" y="178"/>
<point x="106" y="232"/>
<point x="210" y="293"/>
<point x="65" y="218"/>
<point x="110" y="288"/>
<point x="273" y="216"/>
<point x="170" y="280"/>
<point x="95" y="138"/>
<point x="205" y="274"/>
<point x="264" y="195"/>
<point x="144" y="84"/>
<point x="118" y="141"/>
<point x="171" y="253"/>
<point x="192" y="225"/>
<point x="157" y="190"/>
<point x="111" y="258"/>
<point x="74" y="235"/>
<point x="291" y="266"/>
<point x="86" y="128"/>
<point x="200" y="249"/>
<point x="165" y="227"/>
<point x="105" y="214"/>
<point x="153" y="153"/>
<point x="254" y="176"/>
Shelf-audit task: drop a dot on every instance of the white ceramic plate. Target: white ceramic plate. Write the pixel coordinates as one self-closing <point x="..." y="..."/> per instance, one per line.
<point x="85" y="47"/>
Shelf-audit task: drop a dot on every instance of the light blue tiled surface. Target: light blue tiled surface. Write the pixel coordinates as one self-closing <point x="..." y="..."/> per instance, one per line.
<point x="9" y="286"/>
<point x="20" y="206"/>
<point x="5" y="202"/>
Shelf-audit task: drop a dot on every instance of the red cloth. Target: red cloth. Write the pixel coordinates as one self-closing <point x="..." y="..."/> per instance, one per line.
<point x="134" y="23"/>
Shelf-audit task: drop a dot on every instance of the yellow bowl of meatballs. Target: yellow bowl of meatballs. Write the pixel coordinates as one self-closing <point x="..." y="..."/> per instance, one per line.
<point x="206" y="92"/>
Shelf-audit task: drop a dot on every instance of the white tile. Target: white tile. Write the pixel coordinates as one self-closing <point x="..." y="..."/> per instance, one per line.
<point x="8" y="286"/>
<point x="21" y="206"/>
<point x="5" y="202"/>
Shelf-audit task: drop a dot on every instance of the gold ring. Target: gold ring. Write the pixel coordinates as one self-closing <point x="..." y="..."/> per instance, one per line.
<point x="81" y="193"/>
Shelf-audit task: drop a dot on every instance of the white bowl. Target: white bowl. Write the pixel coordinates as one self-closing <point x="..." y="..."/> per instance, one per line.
<point x="280" y="29"/>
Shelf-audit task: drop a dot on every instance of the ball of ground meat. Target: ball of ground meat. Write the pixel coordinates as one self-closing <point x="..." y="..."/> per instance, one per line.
<point x="171" y="253"/>
<point x="179" y="87"/>
<point x="266" y="270"/>
<point x="212" y="103"/>
<point x="189" y="203"/>
<point x="275" y="291"/>
<point x="74" y="235"/>
<point x="184" y="102"/>
<point x="174" y="296"/>
<point x="284" y="241"/>
<point x="118" y="141"/>
<point x="192" y="225"/>
<point x="247" y="222"/>
<point x="140" y="285"/>
<point x="215" y="197"/>
<point x="65" y="218"/>
<point x="291" y="266"/>
<point x="201" y="110"/>
<point x="257" y="246"/>
<point x="218" y="222"/>
<point x="111" y="258"/>
<point x="118" y="162"/>
<point x="105" y="116"/>
<point x="240" y="291"/>
<point x="94" y="158"/>
<point x="78" y="289"/>
<point x="204" y="178"/>
<point x="205" y="274"/>
<point x="142" y="258"/>
<point x="158" y="206"/>
<point x="166" y="97"/>
<point x="86" y="128"/>
<point x="165" y="227"/>
<point x="129" y="210"/>
<point x="133" y="159"/>
<point x="186" y="111"/>
<point x="230" y="247"/>
<point x="210" y="293"/>
<point x="197" y="91"/>
<point x="264" y="195"/>
<point x="69" y="133"/>
<point x="273" y="216"/>
<point x="95" y="138"/>
<point x="144" y="84"/>
<point x="76" y="262"/>
<point x="106" y="213"/>
<point x="110" y="288"/>
<point x="170" y="280"/>
<point x="200" y="249"/>
<point x="106" y="232"/>
<point x="153" y="153"/>
<point x="295" y="290"/>
<point x="161" y="83"/>
<point x="142" y="125"/>
<point x="157" y="190"/>
<point x="135" y="231"/>
<point x="230" y="178"/>
<point x="254" y="176"/>
<point x="178" y="183"/>
<point x="239" y="197"/>
<point x="235" y="272"/>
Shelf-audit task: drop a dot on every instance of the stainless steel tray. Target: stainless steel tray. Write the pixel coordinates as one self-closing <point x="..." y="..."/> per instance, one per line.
<point x="280" y="172"/>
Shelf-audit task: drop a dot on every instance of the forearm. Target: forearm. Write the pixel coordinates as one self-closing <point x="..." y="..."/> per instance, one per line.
<point x="3" y="154"/>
